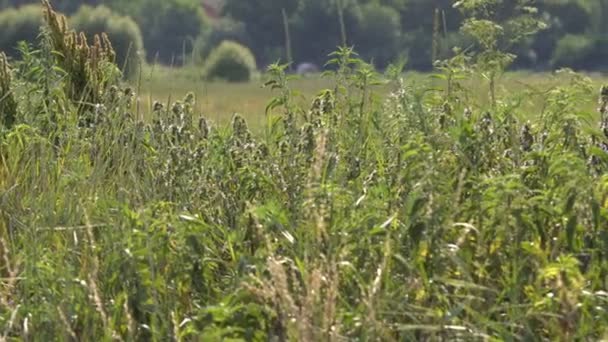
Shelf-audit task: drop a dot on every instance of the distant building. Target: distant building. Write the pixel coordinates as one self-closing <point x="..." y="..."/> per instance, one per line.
<point x="213" y="8"/>
<point x="307" y="68"/>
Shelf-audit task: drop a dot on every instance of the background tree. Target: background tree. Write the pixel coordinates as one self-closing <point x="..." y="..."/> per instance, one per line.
<point x="263" y="23"/>
<point x="316" y="28"/>
<point x="380" y="30"/>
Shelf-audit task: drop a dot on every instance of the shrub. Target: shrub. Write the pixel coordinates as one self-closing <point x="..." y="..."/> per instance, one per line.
<point x="224" y="29"/>
<point x="573" y="51"/>
<point x="22" y="24"/>
<point x="124" y="34"/>
<point x="230" y="61"/>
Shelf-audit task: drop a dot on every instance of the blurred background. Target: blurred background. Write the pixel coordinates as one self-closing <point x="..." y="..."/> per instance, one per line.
<point x="188" y="32"/>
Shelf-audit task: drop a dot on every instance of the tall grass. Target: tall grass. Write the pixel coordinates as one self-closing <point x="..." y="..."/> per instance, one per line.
<point x="421" y="215"/>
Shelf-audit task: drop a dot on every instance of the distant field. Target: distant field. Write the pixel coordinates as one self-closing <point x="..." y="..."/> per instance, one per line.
<point x="218" y="101"/>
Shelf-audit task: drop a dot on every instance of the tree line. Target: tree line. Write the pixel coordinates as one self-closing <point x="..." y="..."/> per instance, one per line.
<point x="382" y="31"/>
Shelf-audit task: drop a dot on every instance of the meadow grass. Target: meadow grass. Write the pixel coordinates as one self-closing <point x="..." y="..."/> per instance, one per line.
<point x="387" y="208"/>
<point x="219" y="101"/>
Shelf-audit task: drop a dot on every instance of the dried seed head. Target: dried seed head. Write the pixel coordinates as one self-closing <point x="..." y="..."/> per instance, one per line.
<point x="527" y="139"/>
<point x="190" y="99"/>
<point x="157" y="106"/>
<point x="604" y="91"/>
<point x="239" y="128"/>
<point x="604" y="127"/>
<point x="263" y="151"/>
<point x="307" y="140"/>
<point x="203" y="128"/>
<point x="113" y="93"/>
<point x="486" y="122"/>
<point x="354" y="170"/>
<point x="283" y="147"/>
<point x="322" y="106"/>
<point x="177" y="108"/>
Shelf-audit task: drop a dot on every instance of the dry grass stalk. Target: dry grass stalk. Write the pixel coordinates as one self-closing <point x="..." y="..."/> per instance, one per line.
<point x="307" y="307"/>
<point x="9" y="272"/>
<point x="92" y="277"/>
<point x="68" y="327"/>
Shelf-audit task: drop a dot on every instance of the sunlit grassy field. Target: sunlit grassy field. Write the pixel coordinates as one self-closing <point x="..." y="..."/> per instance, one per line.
<point x="219" y="101"/>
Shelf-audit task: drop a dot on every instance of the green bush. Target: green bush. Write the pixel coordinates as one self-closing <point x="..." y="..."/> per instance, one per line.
<point x="124" y="34"/>
<point x="224" y="29"/>
<point x="22" y="24"/>
<point x="230" y="61"/>
<point x="574" y="51"/>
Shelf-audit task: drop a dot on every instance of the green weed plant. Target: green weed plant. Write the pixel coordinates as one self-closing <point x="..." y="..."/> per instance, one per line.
<point x="422" y="215"/>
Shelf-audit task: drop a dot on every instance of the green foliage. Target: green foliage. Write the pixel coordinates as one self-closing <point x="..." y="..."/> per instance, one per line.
<point x="222" y="30"/>
<point x="568" y="16"/>
<point x="22" y="24"/>
<point x="123" y="32"/>
<point x="316" y="23"/>
<point x="573" y="50"/>
<point x="562" y="18"/>
<point x="176" y="31"/>
<point x="496" y="27"/>
<point x="422" y="214"/>
<point x="378" y="34"/>
<point x="230" y="61"/>
<point x="263" y="23"/>
<point x="170" y="28"/>
<point x="581" y="52"/>
<point x="89" y="67"/>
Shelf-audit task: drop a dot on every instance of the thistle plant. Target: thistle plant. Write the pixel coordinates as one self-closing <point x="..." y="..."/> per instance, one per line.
<point x="495" y="36"/>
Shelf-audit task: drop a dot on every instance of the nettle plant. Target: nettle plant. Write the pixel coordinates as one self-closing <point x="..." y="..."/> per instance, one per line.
<point x="496" y="27"/>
